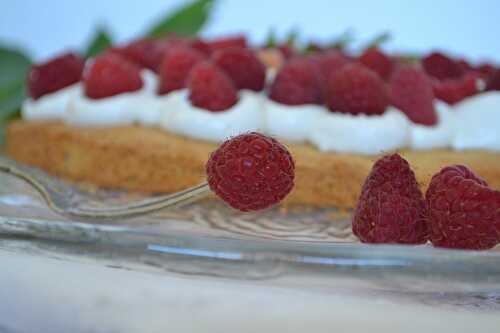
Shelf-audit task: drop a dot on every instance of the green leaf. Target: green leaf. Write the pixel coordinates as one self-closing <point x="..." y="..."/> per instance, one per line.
<point x="378" y="40"/>
<point x="342" y="41"/>
<point x="14" y="66"/>
<point x="100" y="42"/>
<point x="291" y="37"/>
<point x="187" y="20"/>
<point x="271" y="40"/>
<point x="410" y="58"/>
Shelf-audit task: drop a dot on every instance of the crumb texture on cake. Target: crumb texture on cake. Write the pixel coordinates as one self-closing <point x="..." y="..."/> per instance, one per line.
<point x="153" y="160"/>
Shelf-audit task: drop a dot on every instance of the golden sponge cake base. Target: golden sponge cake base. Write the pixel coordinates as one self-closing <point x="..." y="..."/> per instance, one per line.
<point x="153" y="160"/>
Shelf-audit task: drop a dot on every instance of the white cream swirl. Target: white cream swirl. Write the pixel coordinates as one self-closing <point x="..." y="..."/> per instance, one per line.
<point x="362" y="134"/>
<point x="185" y="119"/>
<point x="477" y="122"/>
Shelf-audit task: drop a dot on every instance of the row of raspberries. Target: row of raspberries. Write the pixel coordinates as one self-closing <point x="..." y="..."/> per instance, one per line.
<point x="458" y="210"/>
<point x="369" y="83"/>
<point x="215" y="70"/>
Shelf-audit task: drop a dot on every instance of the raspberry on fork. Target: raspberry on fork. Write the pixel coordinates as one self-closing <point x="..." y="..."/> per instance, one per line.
<point x="251" y="171"/>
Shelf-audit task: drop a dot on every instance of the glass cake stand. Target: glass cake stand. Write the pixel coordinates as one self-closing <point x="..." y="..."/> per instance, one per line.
<point x="300" y="248"/>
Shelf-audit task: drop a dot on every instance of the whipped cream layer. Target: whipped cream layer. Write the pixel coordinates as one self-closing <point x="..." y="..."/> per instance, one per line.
<point x="141" y="106"/>
<point x="472" y="124"/>
<point x="477" y="123"/>
<point x="290" y="122"/>
<point x="347" y="133"/>
<point x="437" y="136"/>
<point x="181" y="117"/>
<point x="51" y="106"/>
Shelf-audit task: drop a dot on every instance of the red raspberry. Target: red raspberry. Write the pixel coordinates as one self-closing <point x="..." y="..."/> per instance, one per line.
<point x="442" y="67"/>
<point x="493" y="82"/>
<point x="356" y="89"/>
<point x="296" y="83"/>
<point x="109" y="75"/>
<point x="251" y="171"/>
<point x="146" y="53"/>
<point x="174" y="70"/>
<point x="410" y="90"/>
<point x="210" y="88"/>
<point x="287" y="51"/>
<point x="464" y="212"/>
<point x="330" y="62"/>
<point x="378" y="62"/>
<point x="242" y="66"/>
<point x="465" y="65"/>
<point x="454" y="90"/>
<point x="227" y="42"/>
<point x="486" y="71"/>
<point x="391" y="208"/>
<point x="195" y="43"/>
<point x="54" y="74"/>
<point x="200" y="46"/>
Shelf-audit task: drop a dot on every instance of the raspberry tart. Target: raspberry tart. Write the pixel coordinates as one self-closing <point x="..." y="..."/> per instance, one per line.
<point x="145" y="116"/>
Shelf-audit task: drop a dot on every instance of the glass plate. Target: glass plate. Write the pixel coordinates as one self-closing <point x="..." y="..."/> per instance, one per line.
<point x="310" y="248"/>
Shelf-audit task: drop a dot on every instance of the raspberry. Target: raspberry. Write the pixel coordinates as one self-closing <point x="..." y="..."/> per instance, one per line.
<point x="464" y="212"/>
<point x="378" y="62"/>
<point x="146" y="53"/>
<point x="251" y="171"/>
<point x="227" y="42"/>
<point x="210" y="88"/>
<point x="486" y="70"/>
<point x="242" y="66"/>
<point x="287" y="51"/>
<point x="493" y="82"/>
<point x="109" y="75"/>
<point x="356" y="89"/>
<point x="176" y="65"/>
<point x="410" y="90"/>
<point x="54" y="74"/>
<point x="442" y="67"/>
<point x="200" y="46"/>
<point x="297" y="82"/>
<point x="391" y="208"/>
<point x="454" y="90"/>
<point x="330" y="62"/>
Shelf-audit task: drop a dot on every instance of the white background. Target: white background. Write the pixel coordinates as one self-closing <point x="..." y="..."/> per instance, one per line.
<point x="461" y="27"/>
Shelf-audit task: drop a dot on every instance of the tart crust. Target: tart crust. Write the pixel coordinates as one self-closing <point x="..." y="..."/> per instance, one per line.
<point x="153" y="160"/>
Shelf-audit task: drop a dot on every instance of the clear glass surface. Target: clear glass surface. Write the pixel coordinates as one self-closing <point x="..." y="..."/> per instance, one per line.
<point x="303" y="247"/>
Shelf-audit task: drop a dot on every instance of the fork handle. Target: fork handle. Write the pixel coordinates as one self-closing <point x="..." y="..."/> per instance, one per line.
<point x="123" y="211"/>
<point x="145" y="206"/>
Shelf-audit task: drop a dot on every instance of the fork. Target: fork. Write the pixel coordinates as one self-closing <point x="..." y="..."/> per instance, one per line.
<point x="60" y="196"/>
